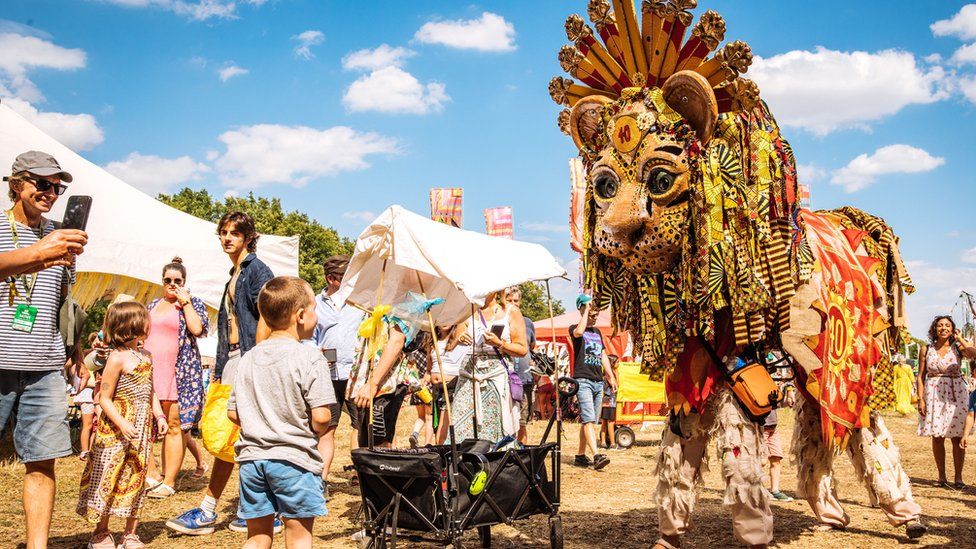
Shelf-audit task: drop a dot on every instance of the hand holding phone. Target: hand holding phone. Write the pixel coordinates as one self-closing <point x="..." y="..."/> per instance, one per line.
<point x="498" y="330"/>
<point x="76" y="212"/>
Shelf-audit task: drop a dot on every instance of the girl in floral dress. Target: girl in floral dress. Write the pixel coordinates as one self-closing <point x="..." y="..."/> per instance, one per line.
<point x="942" y="394"/>
<point x="115" y="474"/>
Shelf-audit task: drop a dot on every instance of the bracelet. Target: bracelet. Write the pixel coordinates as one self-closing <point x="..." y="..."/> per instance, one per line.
<point x="160" y="417"/>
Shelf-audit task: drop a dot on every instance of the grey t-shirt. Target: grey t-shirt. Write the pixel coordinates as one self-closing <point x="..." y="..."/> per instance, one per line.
<point x="278" y="383"/>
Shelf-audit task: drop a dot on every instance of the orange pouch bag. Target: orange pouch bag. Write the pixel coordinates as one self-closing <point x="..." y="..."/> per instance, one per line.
<point x="755" y="390"/>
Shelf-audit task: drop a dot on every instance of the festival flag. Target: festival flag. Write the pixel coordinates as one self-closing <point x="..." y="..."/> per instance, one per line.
<point x="577" y="197"/>
<point x="498" y="222"/>
<point x="804" y="196"/>
<point x="445" y="205"/>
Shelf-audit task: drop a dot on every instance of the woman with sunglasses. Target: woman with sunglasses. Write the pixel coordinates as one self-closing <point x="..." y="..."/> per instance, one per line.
<point x="176" y="320"/>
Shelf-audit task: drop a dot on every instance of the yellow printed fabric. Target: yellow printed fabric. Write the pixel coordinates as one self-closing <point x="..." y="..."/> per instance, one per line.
<point x="634" y="386"/>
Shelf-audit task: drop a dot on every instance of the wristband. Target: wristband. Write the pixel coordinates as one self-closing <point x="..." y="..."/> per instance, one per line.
<point x="160" y="417"/>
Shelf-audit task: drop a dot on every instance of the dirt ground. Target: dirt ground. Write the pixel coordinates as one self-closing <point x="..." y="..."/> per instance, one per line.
<point x="609" y="508"/>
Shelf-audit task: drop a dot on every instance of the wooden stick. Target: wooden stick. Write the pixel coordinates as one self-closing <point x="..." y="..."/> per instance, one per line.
<point x="437" y="352"/>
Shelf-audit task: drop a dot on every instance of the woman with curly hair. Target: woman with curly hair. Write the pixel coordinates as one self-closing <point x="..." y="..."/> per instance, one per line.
<point x="943" y="397"/>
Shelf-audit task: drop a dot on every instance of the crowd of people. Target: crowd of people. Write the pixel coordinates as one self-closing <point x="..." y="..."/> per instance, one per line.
<point x="290" y="364"/>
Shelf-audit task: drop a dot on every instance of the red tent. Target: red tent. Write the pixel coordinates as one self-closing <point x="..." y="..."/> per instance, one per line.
<point x="615" y="344"/>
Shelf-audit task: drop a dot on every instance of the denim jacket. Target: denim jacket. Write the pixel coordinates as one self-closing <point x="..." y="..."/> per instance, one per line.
<point x="254" y="273"/>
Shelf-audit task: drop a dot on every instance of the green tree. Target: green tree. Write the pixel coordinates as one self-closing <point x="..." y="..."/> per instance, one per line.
<point x="317" y="242"/>
<point x="534" y="303"/>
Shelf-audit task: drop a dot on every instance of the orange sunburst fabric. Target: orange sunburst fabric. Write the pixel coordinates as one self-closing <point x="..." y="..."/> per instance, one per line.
<point x="851" y="304"/>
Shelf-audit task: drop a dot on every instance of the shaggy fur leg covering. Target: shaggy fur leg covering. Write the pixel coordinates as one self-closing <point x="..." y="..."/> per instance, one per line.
<point x="877" y="463"/>
<point x="814" y="467"/>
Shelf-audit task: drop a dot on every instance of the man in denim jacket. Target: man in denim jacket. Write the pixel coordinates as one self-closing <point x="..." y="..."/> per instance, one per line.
<point x="238" y="330"/>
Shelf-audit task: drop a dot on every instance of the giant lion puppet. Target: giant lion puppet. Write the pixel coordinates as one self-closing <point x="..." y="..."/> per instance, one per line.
<point x="695" y="239"/>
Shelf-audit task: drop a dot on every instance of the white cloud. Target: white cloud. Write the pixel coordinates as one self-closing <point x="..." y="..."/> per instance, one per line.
<point x="269" y="153"/>
<point x="230" y="71"/>
<point x="545" y="227"/>
<point x="378" y="58"/>
<point x="810" y="173"/>
<point x="306" y="40"/>
<point x="78" y="132"/>
<point x="364" y="216"/>
<point x="826" y="90"/>
<point x="968" y="88"/>
<point x="938" y="288"/>
<point x="865" y="169"/>
<point x="198" y="62"/>
<point x="393" y="90"/>
<point x="966" y="55"/>
<point x="969" y="256"/>
<point x="953" y="234"/>
<point x="490" y="32"/>
<point x="962" y="25"/>
<point x="198" y="11"/>
<point x="212" y="155"/>
<point x="22" y="53"/>
<point x="153" y="174"/>
<point x="231" y="193"/>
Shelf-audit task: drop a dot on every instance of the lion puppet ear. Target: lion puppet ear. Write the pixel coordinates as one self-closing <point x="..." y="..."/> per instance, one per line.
<point x="586" y="122"/>
<point x="690" y="94"/>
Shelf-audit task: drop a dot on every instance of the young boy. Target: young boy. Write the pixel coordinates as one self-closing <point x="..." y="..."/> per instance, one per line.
<point x="281" y="399"/>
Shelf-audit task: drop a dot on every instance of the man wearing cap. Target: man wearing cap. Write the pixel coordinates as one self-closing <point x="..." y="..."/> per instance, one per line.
<point x="590" y="367"/>
<point x="32" y="389"/>
<point x="57" y="248"/>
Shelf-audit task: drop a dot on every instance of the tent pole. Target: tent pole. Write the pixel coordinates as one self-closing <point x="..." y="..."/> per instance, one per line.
<point x="369" y="366"/>
<point x="474" y="377"/>
<point x="559" y="414"/>
<point x="453" y="469"/>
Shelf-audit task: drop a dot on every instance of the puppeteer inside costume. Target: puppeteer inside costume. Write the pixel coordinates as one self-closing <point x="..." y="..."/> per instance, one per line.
<point x="694" y="237"/>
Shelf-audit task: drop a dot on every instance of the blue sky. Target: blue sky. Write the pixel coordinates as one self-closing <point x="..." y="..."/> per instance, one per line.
<point x="877" y="98"/>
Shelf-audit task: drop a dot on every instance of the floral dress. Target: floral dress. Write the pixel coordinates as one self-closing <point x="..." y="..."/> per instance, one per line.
<point x="946" y="397"/>
<point x="483" y="393"/>
<point x="189" y="369"/>
<point x="114" y="476"/>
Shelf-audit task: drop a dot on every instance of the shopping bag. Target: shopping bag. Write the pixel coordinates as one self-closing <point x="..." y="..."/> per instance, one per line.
<point x="219" y="433"/>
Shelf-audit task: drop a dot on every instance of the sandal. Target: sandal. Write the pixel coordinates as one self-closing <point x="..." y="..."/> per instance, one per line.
<point x="152" y="483"/>
<point x="101" y="541"/>
<point x="199" y="472"/>
<point x="943" y="484"/>
<point x="131" y="541"/>
<point x="160" y="491"/>
<point x="959" y="485"/>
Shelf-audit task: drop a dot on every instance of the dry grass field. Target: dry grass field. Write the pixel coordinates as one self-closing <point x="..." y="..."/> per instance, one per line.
<point x="609" y="508"/>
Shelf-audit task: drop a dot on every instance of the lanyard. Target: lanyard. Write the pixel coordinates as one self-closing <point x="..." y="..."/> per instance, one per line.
<point x="28" y="281"/>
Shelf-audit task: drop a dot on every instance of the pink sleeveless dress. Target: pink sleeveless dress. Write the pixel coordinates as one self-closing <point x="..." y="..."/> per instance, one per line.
<point x="164" y="344"/>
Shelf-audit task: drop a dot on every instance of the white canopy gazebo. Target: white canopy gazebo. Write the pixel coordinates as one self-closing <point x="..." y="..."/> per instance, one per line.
<point x="131" y="234"/>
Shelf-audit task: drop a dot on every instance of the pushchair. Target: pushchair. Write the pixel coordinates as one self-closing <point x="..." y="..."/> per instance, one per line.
<point x="427" y="491"/>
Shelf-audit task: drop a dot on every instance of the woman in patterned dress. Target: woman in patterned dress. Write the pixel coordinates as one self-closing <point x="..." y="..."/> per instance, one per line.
<point x="114" y="477"/>
<point x="943" y="397"/>
<point x="177" y="320"/>
<point x="484" y="379"/>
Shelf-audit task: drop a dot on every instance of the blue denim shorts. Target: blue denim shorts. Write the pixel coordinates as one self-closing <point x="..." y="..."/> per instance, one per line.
<point x="590" y="398"/>
<point x="270" y="486"/>
<point x="38" y="404"/>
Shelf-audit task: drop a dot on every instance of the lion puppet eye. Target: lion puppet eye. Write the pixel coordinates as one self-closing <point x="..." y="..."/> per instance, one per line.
<point x="605" y="185"/>
<point x="660" y="180"/>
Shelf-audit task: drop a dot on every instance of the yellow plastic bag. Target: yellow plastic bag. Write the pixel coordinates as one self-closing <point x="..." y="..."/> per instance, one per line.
<point x="219" y="433"/>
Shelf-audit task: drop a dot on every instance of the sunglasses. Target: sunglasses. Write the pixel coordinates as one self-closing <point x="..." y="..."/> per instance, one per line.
<point x="43" y="185"/>
<point x="177" y="281"/>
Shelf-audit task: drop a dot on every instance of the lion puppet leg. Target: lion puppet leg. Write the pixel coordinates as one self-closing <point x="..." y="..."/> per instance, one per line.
<point x="877" y="462"/>
<point x="741" y="450"/>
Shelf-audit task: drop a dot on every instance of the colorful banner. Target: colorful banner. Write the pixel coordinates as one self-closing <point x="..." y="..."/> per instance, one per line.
<point x="804" y="196"/>
<point x="445" y="205"/>
<point x="498" y="222"/>
<point x="577" y="197"/>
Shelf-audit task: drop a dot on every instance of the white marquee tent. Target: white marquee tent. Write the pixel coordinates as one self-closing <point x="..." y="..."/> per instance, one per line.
<point x="462" y="267"/>
<point x="131" y="234"/>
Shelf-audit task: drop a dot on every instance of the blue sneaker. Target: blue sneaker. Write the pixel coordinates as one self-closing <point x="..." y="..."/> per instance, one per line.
<point x="195" y="522"/>
<point x="240" y="525"/>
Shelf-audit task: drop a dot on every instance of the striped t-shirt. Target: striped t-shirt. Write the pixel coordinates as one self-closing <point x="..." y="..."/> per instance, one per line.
<point x="42" y="349"/>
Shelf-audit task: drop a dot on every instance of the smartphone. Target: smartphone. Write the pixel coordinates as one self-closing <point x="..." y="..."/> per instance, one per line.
<point x="498" y="330"/>
<point x="330" y="355"/>
<point x="76" y="213"/>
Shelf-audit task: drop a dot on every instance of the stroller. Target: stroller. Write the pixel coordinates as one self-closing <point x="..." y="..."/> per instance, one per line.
<point x="428" y="491"/>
